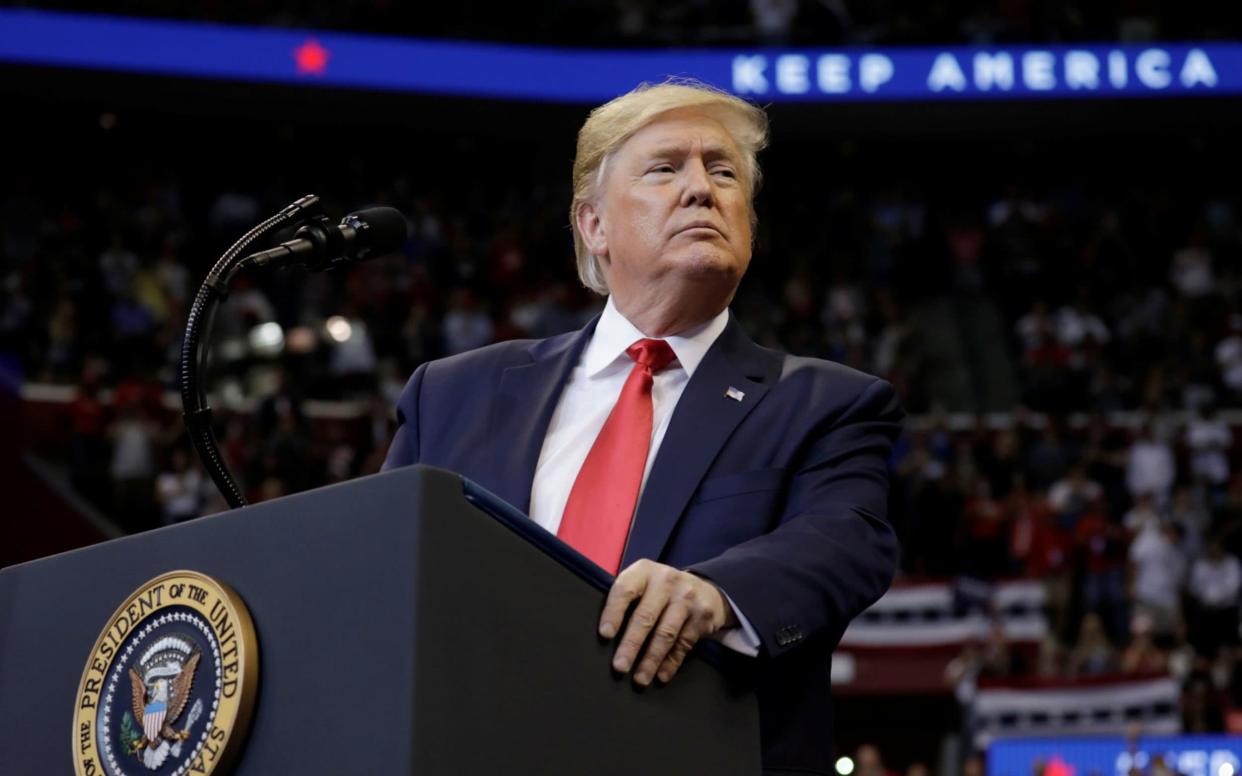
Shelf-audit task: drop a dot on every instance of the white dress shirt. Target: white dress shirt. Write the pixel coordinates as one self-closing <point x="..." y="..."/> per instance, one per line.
<point x="593" y="388"/>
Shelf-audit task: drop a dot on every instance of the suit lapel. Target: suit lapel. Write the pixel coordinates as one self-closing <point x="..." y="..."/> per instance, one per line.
<point x="525" y="400"/>
<point x="705" y="417"/>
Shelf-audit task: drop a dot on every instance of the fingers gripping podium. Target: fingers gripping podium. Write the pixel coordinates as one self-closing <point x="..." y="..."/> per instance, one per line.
<point x="406" y="623"/>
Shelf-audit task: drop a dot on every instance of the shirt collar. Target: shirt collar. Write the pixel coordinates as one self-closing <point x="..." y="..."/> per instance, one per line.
<point x="614" y="333"/>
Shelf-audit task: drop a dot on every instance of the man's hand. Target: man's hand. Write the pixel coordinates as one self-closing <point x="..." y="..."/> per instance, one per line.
<point x="680" y="607"/>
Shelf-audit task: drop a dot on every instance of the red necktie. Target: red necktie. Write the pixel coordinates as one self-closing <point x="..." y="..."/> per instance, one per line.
<point x="601" y="504"/>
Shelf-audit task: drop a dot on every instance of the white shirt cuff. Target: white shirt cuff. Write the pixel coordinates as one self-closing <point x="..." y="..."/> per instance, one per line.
<point x="741" y="639"/>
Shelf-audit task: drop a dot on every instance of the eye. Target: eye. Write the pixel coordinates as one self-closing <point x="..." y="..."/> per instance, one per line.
<point x="726" y="172"/>
<point x="663" y="167"/>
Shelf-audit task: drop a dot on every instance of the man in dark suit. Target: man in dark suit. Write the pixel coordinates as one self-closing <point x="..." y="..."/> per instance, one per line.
<point x="739" y="492"/>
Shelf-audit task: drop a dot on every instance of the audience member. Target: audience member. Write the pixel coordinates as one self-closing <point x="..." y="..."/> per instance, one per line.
<point x="1157" y="570"/>
<point x="1151" y="467"/>
<point x="1215" y="580"/>
<point x="1094" y="653"/>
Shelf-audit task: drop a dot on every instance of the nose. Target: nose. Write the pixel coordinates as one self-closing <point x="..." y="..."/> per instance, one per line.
<point x="697" y="187"/>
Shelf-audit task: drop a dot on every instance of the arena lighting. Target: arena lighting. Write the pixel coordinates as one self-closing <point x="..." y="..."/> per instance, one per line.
<point x="488" y="70"/>
<point x="338" y="328"/>
<point x="845" y="766"/>
<point x="1226" y="769"/>
<point x="267" y="339"/>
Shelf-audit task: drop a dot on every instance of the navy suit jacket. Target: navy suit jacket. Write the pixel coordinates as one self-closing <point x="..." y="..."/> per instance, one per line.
<point x="779" y="498"/>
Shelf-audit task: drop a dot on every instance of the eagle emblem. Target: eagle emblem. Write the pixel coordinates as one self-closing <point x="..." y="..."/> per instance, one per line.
<point x="168" y="703"/>
<point x="160" y="692"/>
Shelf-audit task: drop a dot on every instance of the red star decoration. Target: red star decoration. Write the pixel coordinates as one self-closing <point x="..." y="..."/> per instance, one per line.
<point x="1057" y="767"/>
<point x="311" y="58"/>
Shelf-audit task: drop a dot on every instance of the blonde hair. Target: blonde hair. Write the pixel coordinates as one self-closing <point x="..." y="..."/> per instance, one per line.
<point x="614" y="122"/>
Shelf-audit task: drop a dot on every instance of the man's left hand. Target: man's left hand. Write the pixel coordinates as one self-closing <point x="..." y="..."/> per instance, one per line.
<point x="675" y="608"/>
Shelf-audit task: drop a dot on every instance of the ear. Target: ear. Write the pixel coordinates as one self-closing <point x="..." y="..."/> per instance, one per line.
<point x="591" y="226"/>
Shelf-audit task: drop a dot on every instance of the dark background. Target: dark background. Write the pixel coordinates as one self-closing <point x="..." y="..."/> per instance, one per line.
<point x="913" y="241"/>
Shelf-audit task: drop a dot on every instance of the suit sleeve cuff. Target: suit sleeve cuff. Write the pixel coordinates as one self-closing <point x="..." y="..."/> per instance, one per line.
<point x="741" y="639"/>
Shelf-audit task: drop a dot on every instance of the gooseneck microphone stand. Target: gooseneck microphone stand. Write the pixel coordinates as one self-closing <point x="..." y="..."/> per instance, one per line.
<point x="194" y="346"/>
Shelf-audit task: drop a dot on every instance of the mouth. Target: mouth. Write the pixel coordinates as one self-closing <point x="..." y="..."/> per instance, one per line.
<point x="700" y="226"/>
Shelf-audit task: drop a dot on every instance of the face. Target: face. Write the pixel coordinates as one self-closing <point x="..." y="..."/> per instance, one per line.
<point x="672" y="218"/>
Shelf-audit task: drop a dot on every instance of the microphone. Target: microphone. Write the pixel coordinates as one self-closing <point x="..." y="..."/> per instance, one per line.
<point x="319" y="245"/>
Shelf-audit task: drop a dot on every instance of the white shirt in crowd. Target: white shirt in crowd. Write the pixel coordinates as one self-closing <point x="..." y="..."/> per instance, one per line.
<point x="1216" y="583"/>
<point x="1209" y="439"/>
<point x="1191" y="272"/>
<point x="1140" y="519"/>
<point x="1229" y="358"/>
<point x="1075" y="325"/>
<point x="181" y="494"/>
<point x="1150" y="469"/>
<point x="1067" y="494"/>
<point x="1158" y="569"/>
<point x="132" y="456"/>
<point x="586" y="401"/>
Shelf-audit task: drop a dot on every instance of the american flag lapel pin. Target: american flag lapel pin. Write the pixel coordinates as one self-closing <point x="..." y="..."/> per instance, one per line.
<point x="734" y="394"/>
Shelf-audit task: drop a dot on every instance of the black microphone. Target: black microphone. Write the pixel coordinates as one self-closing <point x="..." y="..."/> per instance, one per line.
<point x="320" y="245"/>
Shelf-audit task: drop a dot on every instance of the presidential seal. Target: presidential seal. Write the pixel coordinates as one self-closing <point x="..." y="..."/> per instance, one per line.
<point x="170" y="684"/>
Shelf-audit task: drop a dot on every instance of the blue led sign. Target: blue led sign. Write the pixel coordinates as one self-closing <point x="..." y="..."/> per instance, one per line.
<point x="1196" y="755"/>
<point x="488" y="70"/>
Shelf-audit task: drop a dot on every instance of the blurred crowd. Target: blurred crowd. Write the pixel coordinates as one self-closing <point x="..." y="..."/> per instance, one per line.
<point x="736" y="22"/>
<point x="1135" y="532"/>
<point x="1060" y="305"/>
<point x="1099" y="313"/>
